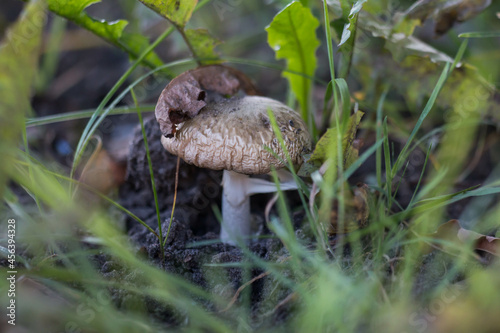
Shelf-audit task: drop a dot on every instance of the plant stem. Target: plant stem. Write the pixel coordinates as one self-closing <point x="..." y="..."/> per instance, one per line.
<point x="175" y="197"/>
<point x="188" y="43"/>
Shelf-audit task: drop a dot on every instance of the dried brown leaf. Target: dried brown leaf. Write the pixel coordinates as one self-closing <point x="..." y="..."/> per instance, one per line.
<point x="357" y="211"/>
<point x="452" y="231"/>
<point x="186" y="95"/>
<point x="102" y="172"/>
<point x="446" y="12"/>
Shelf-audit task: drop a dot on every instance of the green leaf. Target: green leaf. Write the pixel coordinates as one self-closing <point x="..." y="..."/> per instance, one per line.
<point x="401" y="45"/>
<point x="345" y="97"/>
<point x="328" y="141"/>
<point x="406" y="26"/>
<point x="292" y="35"/>
<point x="348" y="39"/>
<point x="350" y="26"/>
<point x="18" y="65"/>
<point x="176" y="11"/>
<point x="112" y="32"/>
<point x="203" y="44"/>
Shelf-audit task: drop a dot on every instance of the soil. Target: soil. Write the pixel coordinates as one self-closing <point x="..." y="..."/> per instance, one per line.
<point x="198" y="192"/>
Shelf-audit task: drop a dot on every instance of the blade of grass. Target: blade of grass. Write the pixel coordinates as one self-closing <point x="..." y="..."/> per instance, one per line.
<point x="175" y="197"/>
<point x="480" y="34"/>
<point x="91" y="127"/>
<point x="67" y="116"/>
<point x="428" y="205"/>
<point x="387" y="157"/>
<point x="345" y="97"/>
<point x="121" y="96"/>
<point x="151" y="174"/>
<point x="289" y="163"/>
<point x="87" y="132"/>
<point x="378" y="136"/>
<point x="362" y="159"/>
<point x="430" y="103"/>
<point x="87" y="187"/>
<point x="51" y="56"/>
<point x="27" y="150"/>
<point x="460" y="54"/>
<point x="329" y="43"/>
<point x="421" y="176"/>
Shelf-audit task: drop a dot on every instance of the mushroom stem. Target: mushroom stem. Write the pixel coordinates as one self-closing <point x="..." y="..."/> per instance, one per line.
<point x="235" y="208"/>
<point x="237" y="188"/>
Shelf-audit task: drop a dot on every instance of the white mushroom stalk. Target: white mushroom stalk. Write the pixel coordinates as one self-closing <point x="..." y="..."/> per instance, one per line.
<point x="237" y="189"/>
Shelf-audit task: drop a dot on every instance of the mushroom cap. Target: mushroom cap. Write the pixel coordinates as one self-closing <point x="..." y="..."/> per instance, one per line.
<point x="231" y="135"/>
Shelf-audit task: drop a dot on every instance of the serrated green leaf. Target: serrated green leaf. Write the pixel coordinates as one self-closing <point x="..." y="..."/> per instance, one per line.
<point x="292" y="35"/>
<point x="329" y="141"/>
<point x="18" y="64"/>
<point x="112" y="32"/>
<point x="203" y="44"/>
<point x="176" y="11"/>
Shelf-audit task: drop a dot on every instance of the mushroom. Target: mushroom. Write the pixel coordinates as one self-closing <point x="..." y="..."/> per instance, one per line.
<point x="231" y="135"/>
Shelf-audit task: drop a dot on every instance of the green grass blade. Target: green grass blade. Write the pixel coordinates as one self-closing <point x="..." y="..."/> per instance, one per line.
<point x="480" y="34"/>
<point x="378" y="136"/>
<point x="430" y="103"/>
<point x="67" y="116"/>
<point x="87" y="132"/>
<point x="151" y="174"/>
<point x="421" y="175"/>
<point x="388" y="167"/>
<point x="428" y="107"/>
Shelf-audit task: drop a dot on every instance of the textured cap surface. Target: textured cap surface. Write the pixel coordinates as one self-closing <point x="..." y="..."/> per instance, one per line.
<point x="231" y="135"/>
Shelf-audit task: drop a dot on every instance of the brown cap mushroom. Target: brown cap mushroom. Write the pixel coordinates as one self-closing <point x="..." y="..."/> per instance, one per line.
<point x="231" y="135"/>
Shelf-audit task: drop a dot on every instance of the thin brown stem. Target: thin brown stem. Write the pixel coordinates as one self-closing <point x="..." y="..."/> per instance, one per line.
<point x="175" y="198"/>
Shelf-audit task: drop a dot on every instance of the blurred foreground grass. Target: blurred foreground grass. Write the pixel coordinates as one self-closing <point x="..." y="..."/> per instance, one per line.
<point x="391" y="276"/>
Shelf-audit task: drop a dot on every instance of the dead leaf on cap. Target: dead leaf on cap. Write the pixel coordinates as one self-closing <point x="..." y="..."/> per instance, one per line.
<point x="452" y="231"/>
<point x="185" y="96"/>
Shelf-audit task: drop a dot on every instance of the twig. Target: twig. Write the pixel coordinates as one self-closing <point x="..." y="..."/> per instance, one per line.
<point x="291" y="297"/>
<point x="175" y="198"/>
<point x="269" y="206"/>
<point x="240" y="289"/>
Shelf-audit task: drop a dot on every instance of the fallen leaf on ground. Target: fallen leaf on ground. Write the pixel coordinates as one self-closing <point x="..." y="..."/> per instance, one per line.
<point x="452" y="231"/>
<point x="102" y="172"/>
